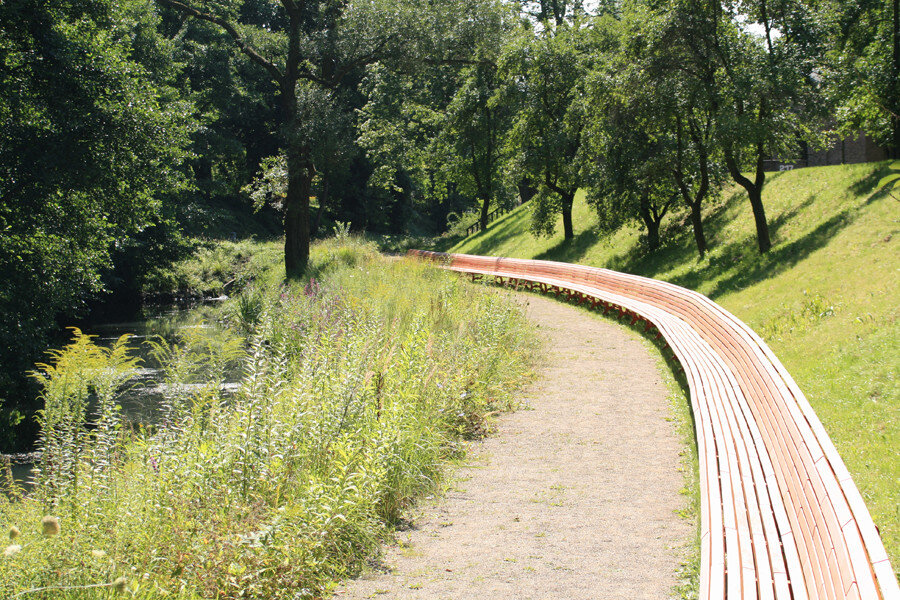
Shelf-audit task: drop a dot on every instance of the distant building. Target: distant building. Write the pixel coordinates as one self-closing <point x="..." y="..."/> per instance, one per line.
<point x="859" y="149"/>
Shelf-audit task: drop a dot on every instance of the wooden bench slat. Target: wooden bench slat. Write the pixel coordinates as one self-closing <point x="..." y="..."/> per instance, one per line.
<point x="840" y="552"/>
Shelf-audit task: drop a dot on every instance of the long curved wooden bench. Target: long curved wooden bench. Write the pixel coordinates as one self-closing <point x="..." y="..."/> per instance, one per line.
<point x="781" y="516"/>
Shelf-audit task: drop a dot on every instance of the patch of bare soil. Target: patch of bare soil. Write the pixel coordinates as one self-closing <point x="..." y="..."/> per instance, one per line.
<point x="573" y="497"/>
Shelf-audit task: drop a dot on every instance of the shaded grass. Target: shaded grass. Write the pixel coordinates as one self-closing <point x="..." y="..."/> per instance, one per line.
<point x="824" y="298"/>
<point x="216" y="268"/>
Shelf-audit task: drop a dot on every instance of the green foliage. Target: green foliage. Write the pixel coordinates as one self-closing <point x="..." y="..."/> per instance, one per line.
<point x="861" y="70"/>
<point x="270" y="186"/>
<point x="353" y="391"/>
<point x="546" y="70"/>
<point x="215" y="268"/>
<point x="93" y="137"/>
<point x="81" y="375"/>
<point x="651" y="126"/>
<point x="434" y="128"/>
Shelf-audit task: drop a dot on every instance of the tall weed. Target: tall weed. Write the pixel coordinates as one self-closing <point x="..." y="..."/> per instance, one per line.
<point x="354" y="390"/>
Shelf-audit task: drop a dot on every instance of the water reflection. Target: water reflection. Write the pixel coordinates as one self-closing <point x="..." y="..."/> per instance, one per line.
<point x="140" y="401"/>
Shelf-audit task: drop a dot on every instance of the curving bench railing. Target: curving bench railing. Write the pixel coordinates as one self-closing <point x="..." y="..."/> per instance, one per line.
<point x="780" y="514"/>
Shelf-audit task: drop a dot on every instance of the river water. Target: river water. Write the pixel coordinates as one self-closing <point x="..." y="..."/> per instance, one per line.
<point x="140" y="401"/>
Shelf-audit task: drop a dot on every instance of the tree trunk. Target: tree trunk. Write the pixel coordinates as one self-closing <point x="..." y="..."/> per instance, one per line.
<point x="526" y="190"/>
<point x="296" y="215"/>
<point x="567" y="201"/>
<point x="697" y="222"/>
<point x="323" y="199"/>
<point x="759" y="216"/>
<point x="203" y="176"/>
<point x="650" y="223"/>
<point x="300" y="170"/>
<point x="754" y="191"/>
<point x="485" y="205"/>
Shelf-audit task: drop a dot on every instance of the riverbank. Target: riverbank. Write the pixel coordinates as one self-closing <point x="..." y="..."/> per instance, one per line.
<point x="356" y="388"/>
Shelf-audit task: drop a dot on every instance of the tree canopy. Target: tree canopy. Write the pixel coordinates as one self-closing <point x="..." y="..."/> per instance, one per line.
<point x="132" y="130"/>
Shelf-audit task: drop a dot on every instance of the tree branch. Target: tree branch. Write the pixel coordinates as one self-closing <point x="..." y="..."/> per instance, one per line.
<point x="458" y="61"/>
<point x="232" y="31"/>
<point x="360" y="61"/>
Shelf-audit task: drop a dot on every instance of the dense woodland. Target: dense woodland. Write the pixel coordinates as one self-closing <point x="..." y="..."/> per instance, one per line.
<point x="133" y="130"/>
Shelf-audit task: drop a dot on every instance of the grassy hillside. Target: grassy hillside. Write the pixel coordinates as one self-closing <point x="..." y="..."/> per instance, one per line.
<point x="825" y="298"/>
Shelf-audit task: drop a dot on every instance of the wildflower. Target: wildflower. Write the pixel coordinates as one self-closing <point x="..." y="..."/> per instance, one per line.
<point x="14" y="532"/>
<point x="50" y="525"/>
<point x="11" y="550"/>
<point x="98" y="553"/>
<point x="119" y="585"/>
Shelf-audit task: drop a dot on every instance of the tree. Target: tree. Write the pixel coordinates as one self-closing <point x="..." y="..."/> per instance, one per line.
<point x="761" y="87"/>
<point x="328" y="125"/>
<point x="437" y="120"/>
<point x="628" y="180"/>
<point x="471" y="137"/>
<point x="688" y="115"/>
<point x="862" y="67"/>
<point x="234" y="101"/>
<point x="691" y="166"/>
<point x="546" y="69"/>
<point x="627" y="171"/>
<point x="93" y="137"/>
<point x="319" y="43"/>
<point x="399" y="126"/>
<point x="651" y="133"/>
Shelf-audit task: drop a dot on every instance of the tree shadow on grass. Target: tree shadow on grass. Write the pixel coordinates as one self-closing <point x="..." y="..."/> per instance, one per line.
<point x="786" y="216"/>
<point x="485" y="240"/>
<point x="572" y="250"/>
<point x="732" y="264"/>
<point x="676" y="235"/>
<point x="745" y="266"/>
<point x="867" y="184"/>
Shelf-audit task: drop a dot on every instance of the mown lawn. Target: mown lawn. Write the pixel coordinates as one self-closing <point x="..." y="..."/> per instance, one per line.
<point x="825" y="297"/>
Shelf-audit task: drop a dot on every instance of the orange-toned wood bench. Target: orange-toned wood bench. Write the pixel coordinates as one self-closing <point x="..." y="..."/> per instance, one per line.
<point x="781" y="516"/>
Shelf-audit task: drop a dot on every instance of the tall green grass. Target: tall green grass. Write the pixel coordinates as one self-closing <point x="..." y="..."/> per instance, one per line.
<point x="825" y="297"/>
<point x="356" y="388"/>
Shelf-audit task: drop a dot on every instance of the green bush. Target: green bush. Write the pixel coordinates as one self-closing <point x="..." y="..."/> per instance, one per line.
<point x="356" y="388"/>
<point x="216" y="268"/>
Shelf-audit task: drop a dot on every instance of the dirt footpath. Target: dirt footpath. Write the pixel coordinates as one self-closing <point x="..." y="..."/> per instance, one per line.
<point x="573" y="497"/>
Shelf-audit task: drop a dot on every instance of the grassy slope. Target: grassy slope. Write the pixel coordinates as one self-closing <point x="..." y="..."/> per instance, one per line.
<point x="825" y="298"/>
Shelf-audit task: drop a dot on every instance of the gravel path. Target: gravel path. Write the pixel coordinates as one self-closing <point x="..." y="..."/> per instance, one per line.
<point x="574" y="497"/>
